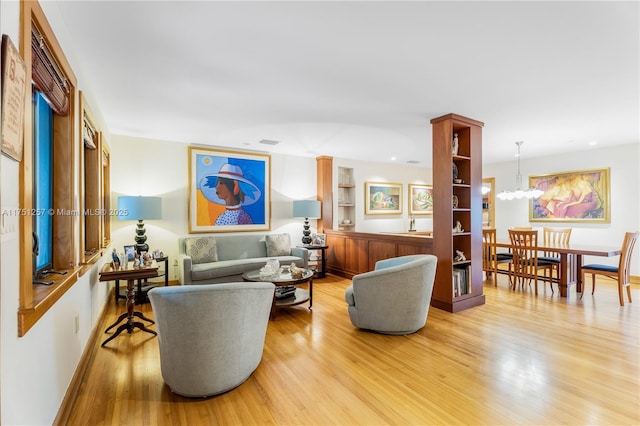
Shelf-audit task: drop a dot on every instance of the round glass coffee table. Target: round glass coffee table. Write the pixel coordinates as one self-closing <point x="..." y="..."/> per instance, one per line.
<point x="287" y="291"/>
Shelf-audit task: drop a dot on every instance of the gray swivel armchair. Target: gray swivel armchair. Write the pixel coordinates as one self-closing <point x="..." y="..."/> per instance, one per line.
<point x="394" y="298"/>
<point x="210" y="336"/>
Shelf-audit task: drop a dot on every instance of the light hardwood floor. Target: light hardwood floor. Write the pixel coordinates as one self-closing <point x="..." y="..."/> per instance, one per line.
<point x="518" y="359"/>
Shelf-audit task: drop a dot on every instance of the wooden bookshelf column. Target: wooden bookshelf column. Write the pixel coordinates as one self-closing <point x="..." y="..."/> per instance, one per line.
<point x="458" y="284"/>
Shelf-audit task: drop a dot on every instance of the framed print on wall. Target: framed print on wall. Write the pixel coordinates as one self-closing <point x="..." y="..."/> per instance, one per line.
<point x="229" y="191"/>
<point x="383" y="198"/>
<point x="420" y="199"/>
<point x="13" y="87"/>
<point x="579" y="196"/>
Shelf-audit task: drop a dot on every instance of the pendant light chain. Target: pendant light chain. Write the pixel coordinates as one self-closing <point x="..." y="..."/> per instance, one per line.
<point x="519" y="193"/>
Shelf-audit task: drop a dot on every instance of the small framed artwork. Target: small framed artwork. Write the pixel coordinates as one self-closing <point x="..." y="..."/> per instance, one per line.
<point x="319" y="240"/>
<point x="130" y="252"/>
<point x="383" y="198"/>
<point x="579" y="196"/>
<point x="420" y="199"/>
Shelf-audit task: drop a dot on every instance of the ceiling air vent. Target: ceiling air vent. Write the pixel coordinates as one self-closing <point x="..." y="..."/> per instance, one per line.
<point x="413" y="162"/>
<point x="268" y="142"/>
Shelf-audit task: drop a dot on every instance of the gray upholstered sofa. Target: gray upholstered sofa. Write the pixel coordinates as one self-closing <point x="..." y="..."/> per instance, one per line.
<point x="205" y="259"/>
<point x="210" y="337"/>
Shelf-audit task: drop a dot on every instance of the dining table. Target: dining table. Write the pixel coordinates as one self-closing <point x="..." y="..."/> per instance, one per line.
<point x="570" y="267"/>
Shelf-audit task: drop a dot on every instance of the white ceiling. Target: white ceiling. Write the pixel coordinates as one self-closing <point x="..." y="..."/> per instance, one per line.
<point x="359" y="79"/>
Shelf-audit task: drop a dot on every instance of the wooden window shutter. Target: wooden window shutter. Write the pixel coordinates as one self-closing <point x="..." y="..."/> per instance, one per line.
<point x="47" y="76"/>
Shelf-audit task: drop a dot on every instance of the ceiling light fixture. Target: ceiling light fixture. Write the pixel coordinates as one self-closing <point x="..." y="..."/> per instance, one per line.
<point x="519" y="193"/>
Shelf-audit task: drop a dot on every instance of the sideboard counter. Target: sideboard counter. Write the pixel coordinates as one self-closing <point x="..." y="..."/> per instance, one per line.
<point x="352" y="252"/>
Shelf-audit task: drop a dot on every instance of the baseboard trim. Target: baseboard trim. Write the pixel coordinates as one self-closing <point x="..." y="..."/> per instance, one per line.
<point x="64" y="412"/>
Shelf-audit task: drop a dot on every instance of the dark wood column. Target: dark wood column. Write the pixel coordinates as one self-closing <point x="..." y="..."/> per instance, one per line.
<point x="324" y="171"/>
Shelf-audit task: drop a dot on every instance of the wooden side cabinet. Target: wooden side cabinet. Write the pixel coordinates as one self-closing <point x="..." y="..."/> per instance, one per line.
<point x="457" y="215"/>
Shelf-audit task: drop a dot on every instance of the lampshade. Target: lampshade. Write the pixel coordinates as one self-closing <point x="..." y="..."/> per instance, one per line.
<point x="139" y="208"/>
<point x="307" y="209"/>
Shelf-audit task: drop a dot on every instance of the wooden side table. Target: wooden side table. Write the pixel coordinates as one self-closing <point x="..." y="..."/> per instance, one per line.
<point x="109" y="273"/>
<point x="141" y="292"/>
<point x="322" y="271"/>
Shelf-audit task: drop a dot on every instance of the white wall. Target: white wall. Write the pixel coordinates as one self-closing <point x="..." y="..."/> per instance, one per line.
<point x="625" y="195"/>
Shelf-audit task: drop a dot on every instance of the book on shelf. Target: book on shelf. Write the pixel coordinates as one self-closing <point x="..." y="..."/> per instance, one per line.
<point x="456" y="276"/>
<point x="461" y="276"/>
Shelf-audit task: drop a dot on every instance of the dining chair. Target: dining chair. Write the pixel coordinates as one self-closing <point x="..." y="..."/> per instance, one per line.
<point x="555" y="237"/>
<point x="619" y="273"/>
<point x="525" y="258"/>
<point x="490" y="256"/>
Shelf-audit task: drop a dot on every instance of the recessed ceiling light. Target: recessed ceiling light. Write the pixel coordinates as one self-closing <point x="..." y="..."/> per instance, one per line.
<point x="393" y="158"/>
<point x="593" y="143"/>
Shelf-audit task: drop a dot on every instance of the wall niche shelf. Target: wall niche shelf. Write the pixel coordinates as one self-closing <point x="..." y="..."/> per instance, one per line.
<point x="346" y="199"/>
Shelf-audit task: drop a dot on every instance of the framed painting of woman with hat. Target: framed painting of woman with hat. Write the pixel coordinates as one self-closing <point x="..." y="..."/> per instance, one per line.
<point x="229" y="191"/>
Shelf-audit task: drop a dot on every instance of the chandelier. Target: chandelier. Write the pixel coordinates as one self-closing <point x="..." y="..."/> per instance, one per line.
<point x="519" y="193"/>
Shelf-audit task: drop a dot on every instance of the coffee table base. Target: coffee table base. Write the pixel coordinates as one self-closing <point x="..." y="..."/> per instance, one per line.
<point x="300" y="296"/>
<point x="284" y="280"/>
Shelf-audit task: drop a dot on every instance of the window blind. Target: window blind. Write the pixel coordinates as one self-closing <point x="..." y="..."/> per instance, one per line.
<point x="47" y="76"/>
<point x="90" y="135"/>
